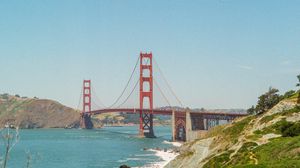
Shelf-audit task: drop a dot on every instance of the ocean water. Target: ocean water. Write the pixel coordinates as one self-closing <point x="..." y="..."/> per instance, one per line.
<point x="107" y="147"/>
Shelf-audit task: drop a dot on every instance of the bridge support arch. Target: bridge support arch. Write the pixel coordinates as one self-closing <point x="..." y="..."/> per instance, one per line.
<point x="179" y="126"/>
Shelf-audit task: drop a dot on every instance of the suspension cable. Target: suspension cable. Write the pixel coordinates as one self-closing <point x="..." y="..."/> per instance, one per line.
<point x="94" y="103"/>
<point x="98" y="99"/>
<point x="129" y="94"/>
<point x="169" y="86"/>
<point x="161" y="92"/>
<point x="127" y="84"/>
<point x="80" y="97"/>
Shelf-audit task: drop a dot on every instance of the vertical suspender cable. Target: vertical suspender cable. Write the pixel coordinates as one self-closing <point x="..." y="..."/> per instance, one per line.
<point x="80" y="97"/>
<point x="98" y="99"/>
<point x="162" y="93"/>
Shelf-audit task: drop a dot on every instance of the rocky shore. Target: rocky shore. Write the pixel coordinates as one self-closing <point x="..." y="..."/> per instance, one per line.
<point x="165" y="155"/>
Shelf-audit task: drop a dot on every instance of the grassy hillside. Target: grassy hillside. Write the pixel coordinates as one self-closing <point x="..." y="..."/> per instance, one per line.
<point x="36" y="113"/>
<point x="271" y="139"/>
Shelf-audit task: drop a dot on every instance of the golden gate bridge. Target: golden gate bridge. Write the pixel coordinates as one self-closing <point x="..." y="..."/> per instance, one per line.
<point x="200" y="120"/>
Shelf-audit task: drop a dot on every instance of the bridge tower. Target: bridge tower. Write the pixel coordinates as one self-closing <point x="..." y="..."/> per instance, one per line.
<point x="146" y="117"/>
<point x="86" y="121"/>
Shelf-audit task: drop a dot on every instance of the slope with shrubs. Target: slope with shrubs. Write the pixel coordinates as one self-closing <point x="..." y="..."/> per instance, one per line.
<point x="269" y="139"/>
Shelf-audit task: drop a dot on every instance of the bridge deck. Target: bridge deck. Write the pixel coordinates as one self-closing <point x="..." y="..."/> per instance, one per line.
<point x="161" y="112"/>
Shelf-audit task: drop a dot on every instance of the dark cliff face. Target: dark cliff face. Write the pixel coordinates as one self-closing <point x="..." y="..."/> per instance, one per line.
<point x="36" y="113"/>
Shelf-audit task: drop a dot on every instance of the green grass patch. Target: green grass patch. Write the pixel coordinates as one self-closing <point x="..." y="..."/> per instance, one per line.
<point x="243" y="155"/>
<point x="254" y="137"/>
<point x="282" y="152"/>
<point x="268" y="118"/>
<point x="294" y="96"/>
<point x="235" y="130"/>
<point x="214" y="131"/>
<point x="218" y="161"/>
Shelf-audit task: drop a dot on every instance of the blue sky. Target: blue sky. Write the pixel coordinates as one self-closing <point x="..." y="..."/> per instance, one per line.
<point x="215" y="53"/>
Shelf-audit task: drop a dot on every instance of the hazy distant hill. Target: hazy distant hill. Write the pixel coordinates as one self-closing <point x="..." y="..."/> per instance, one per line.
<point x="36" y="113"/>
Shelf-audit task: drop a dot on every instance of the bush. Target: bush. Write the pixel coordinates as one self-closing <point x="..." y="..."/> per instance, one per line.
<point x="288" y="129"/>
<point x="284" y="125"/>
<point x="288" y="94"/>
<point x="4" y="96"/>
<point x="251" y="110"/>
<point x="292" y="130"/>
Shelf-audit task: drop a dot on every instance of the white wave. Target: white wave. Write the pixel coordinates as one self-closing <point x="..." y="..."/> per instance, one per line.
<point x="165" y="156"/>
<point x="130" y="159"/>
<point x="143" y="155"/>
<point x="177" y="144"/>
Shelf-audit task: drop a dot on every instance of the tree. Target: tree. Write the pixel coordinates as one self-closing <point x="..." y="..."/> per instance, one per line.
<point x="5" y="96"/>
<point x="267" y="100"/>
<point x="298" y="84"/>
<point x="251" y="110"/>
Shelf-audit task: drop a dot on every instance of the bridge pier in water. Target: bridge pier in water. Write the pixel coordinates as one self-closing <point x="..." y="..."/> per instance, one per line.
<point x="86" y="121"/>
<point x="85" y="116"/>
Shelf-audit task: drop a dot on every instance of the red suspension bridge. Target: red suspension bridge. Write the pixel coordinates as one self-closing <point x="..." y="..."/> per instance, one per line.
<point x="200" y="120"/>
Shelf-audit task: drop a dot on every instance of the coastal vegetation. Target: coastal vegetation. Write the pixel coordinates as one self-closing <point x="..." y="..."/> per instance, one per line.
<point x="269" y="137"/>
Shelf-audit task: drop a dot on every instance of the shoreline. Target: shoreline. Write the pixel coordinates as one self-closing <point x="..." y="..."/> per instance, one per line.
<point x="165" y="156"/>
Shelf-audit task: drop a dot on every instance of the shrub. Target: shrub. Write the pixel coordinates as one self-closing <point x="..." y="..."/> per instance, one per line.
<point x="251" y="110"/>
<point x="288" y="129"/>
<point x="4" y="96"/>
<point x="288" y="94"/>
<point x="293" y="130"/>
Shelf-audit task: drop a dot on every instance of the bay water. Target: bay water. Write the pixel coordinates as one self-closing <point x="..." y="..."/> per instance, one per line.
<point x="108" y="147"/>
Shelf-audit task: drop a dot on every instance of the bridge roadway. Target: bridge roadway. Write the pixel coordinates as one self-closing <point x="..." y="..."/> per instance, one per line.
<point x="163" y="112"/>
<point x="185" y="123"/>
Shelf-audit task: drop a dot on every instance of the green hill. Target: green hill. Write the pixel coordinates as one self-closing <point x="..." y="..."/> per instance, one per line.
<point x="270" y="139"/>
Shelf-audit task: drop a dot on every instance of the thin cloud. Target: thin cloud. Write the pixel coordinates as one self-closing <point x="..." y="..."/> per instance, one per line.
<point x="246" y="67"/>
